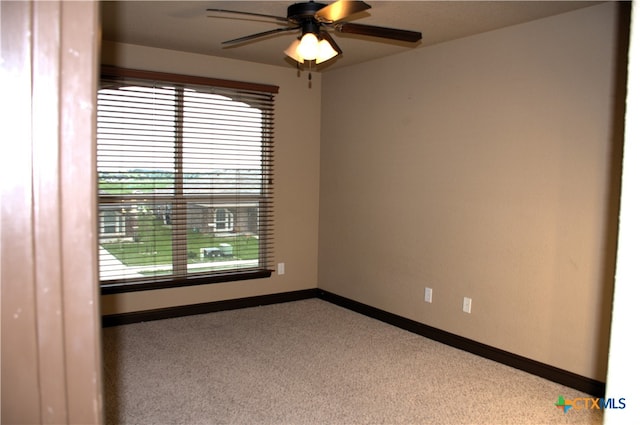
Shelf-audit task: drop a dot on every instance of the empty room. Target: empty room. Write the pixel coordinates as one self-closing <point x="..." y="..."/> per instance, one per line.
<point x="421" y="222"/>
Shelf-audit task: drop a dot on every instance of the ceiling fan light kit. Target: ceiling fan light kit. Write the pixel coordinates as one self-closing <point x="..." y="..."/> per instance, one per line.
<point x="310" y="49"/>
<point x="315" y="44"/>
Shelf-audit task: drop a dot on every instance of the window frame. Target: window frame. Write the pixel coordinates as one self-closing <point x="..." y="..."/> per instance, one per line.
<point x="264" y="198"/>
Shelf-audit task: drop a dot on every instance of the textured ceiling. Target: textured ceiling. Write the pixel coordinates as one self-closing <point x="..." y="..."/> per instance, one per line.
<point x="185" y="26"/>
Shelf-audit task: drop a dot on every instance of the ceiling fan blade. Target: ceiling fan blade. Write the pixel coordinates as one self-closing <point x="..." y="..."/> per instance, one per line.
<point x="258" y="35"/>
<point x="382" y="32"/>
<point x="223" y="13"/>
<point x="339" y="10"/>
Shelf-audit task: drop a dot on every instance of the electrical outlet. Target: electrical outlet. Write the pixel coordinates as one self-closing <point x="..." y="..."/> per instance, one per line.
<point x="466" y="305"/>
<point x="427" y="295"/>
<point x="280" y="268"/>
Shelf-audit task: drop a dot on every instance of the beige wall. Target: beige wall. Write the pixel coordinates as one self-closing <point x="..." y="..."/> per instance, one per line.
<point x="297" y="156"/>
<point x="482" y="167"/>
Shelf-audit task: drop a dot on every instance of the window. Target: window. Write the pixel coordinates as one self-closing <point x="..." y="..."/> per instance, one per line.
<point x="112" y="222"/>
<point x="185" y="180"/>
<point x="224" y="220"/>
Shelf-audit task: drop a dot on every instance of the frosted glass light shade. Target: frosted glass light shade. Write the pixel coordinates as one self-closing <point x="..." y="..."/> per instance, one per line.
<point x="292" y="51"/>
<point x="308" y="47"/>
<point x="325" y="51"/>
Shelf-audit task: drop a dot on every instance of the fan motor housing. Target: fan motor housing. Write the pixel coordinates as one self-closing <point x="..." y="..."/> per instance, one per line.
<point x="300" y="11"/>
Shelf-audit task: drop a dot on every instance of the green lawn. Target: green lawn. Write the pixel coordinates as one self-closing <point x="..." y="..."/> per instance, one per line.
<point x="153" y="246"/>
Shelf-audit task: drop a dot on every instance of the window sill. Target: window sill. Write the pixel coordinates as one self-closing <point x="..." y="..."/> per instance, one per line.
<point x="115" y="287"/>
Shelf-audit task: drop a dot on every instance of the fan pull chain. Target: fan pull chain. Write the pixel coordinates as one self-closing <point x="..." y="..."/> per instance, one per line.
<point x="300" y="71"/>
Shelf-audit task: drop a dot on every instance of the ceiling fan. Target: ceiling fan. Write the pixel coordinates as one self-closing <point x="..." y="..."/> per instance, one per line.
<point x="313" y="20"/>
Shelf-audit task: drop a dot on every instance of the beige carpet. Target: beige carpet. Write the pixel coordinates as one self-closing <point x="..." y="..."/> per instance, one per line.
<point x="311" y="362"/>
